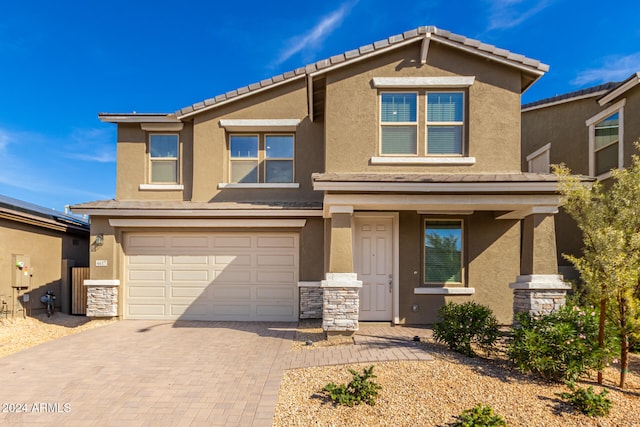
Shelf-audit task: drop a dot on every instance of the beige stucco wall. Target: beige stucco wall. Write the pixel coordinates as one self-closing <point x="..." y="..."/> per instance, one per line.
<point x="563" y="125"/>
<point x="492" y="251"/>
<point x="45" y="249"/>
<point x="492" y="109"/>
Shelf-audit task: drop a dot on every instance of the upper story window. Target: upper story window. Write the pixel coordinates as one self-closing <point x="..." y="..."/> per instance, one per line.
<point x="606" y="144"/>
<point x="163" y="155"/>
<point x="399" y="125"/>
<point x="606" y="140"/>
<point x="445" y="121"/>
<point x="261" y="158"/>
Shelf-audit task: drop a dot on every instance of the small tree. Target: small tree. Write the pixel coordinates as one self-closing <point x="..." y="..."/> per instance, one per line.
<point x="609" y="219"/>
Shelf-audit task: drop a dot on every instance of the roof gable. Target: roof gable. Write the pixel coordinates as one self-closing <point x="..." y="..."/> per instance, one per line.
<point x="531" y="68"/>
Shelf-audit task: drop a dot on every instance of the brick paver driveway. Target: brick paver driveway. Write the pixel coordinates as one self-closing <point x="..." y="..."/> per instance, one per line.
<point x="144" y="373"/>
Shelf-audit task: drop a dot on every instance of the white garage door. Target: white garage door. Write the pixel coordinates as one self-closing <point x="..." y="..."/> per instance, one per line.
<point x="211" y="276"/>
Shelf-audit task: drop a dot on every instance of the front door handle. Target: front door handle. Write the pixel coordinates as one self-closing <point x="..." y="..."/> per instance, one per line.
<point x="390" y="283"/>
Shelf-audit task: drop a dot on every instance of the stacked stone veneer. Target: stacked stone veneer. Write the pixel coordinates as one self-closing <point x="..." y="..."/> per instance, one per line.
<point x="340" y="303"/>
<point x="102" y="298"/>
<point x="539" y="294"/>
<point x="310" y="300"/>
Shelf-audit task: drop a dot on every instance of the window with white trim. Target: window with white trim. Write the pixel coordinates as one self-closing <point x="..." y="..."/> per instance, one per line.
<point x="163" y="156"/>
<point x="399" y="123"/>
<point x="262" y="158"/>
<point x="606" y="140"/>
<point x="442" y="251"/>
<point x="445" y="123"/>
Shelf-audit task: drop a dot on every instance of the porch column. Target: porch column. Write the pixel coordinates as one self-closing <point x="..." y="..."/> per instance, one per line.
<point x="340" y="289"/>
<point x="539" y="289"/>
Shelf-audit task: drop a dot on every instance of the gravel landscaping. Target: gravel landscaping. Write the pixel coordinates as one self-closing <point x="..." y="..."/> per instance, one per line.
<point x="433" y="393"/>
<point x="19" y="333"/>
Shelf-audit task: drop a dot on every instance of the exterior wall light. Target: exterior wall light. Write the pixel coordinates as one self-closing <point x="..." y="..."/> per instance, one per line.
<point x="99" y="240"/>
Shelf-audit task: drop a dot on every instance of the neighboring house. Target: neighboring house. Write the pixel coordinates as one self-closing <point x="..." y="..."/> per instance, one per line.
<point x="395" y="167"/>
<point x="591" y="131"/>
<point x="37" y="248"/>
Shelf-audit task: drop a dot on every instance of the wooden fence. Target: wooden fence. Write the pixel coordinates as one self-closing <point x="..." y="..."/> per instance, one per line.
<point x="78" y="290"/>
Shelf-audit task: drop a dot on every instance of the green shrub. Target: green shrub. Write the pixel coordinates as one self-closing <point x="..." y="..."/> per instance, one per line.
<point x="586" y="401"/>
<point x="558" y="346"/>
<point x="461" y="325"/>
<point x="361" y="389"/>
<point x="479" y="416"/>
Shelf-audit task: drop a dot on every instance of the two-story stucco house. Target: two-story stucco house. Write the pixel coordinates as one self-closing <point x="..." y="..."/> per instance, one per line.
<point x="386" y="180"/>
<point x="592" y="131"/>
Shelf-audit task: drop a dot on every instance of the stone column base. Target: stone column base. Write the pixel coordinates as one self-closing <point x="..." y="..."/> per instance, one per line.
<point x="539" y="294"/>
<point x="102" y="298"/>
<point x="340" y="304"/>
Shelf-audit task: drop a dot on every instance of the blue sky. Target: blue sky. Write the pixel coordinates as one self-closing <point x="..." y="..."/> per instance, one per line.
<point x="62" y="62"/>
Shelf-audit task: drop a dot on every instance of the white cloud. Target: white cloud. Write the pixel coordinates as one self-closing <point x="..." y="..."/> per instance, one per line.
<point x="33" y="163"/>
<point x="505" y="14"/>
<point x="92" y="145"/>
<point x="317" y="34"/>
<point x="615" y="68"/>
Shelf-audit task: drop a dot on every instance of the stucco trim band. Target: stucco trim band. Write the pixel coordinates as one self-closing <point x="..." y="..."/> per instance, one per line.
<point x="448" y="161"/>
<point x="109" y="282"/>
<point x="420" y="82"/>
<point x="444" y="291"/>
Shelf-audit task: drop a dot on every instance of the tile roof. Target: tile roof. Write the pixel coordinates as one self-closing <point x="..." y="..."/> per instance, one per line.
<point x="436" y="34"/>
<point x="582" y="93"/>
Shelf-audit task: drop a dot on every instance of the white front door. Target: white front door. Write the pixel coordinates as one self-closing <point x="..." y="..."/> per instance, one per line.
<point x="374" y="265"/>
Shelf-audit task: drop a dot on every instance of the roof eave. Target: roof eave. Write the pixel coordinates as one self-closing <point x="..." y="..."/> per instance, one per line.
<point x="138" y="118"/>
<point x="625" y="86"/>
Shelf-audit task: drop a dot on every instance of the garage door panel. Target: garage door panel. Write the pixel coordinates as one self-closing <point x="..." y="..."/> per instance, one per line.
<point x="221" y="242"/>
<point x="146" y="241"/>
<point x="233" y="260"/>
<point x="232" y="311"/>
<point x="190" y="260"/>
<point x="276" y="260"/>
<point x="190" y="292"/>
<point x="231" y="292"/>
<point x="211" y="276"/>
<point x="200" y="242"/>
<point x="233" y="276"/>
<point x="189" y="311"/>
<point x="147" y="275"/>
<point x="276" y="242"/>
<point x="285" y="293"/>
<point x="146" y="292"/>
<point x="147" y="260"/>
<point x="190" y="275"/>
<point x="146" y="310"/>
<point x="266" y="276"/>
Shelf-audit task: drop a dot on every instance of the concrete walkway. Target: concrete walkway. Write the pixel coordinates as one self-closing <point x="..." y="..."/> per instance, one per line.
<point x="145" y="373"/>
